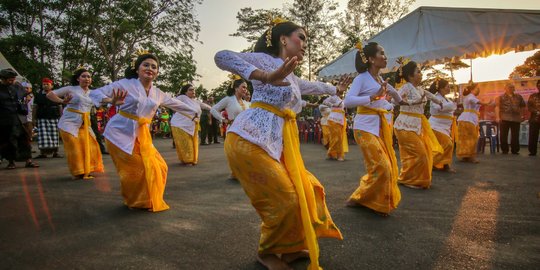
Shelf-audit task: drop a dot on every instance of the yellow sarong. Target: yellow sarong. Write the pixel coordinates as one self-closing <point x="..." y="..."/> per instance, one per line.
<point x="427" y="133"/>
<point x="279" y="188"/>
<point x="467" y="139"/>
<point x="143" y="174"/>
<point x="325" y="135"/>
<point x="187" y="146"/>
<point x="416" y="159"/>
<point x="445" y="158"/>
<point x="86" y="141"/>
<point x="378" y="189"/>
<point x="453" y="129"/>
<point x="74" y="147"/>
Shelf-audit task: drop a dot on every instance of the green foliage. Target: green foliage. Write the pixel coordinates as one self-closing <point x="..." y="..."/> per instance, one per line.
<point x="365" y="18"/>
<point x="529" y="68"/>
<point x="252" y="23"/>
<point x="55" y="36"/>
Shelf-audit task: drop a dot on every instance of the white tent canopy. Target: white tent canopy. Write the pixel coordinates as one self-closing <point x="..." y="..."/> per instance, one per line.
<point x="433" y="35"/>
<point x="5" y="64"/>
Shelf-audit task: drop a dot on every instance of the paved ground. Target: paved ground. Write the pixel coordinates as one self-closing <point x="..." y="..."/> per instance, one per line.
<point x="486" y="216"/>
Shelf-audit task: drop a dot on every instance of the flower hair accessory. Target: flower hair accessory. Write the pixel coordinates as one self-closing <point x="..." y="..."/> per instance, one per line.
<point x="361" y="51"/>
<point x="136" y="55"/>
<point x="83" y="66"/>
<point x="273" y="22"/>
<point x="233" y="77"/>
<point x="437" y="80"/>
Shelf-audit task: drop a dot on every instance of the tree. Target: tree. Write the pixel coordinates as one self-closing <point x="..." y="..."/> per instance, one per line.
<point x="365" y="18"/>
<point x="529" y="68"/>
<point x="253" y="23"/>
<point x="318" y="17"/>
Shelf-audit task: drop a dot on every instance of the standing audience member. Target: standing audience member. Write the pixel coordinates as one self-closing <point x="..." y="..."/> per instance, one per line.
<point x="534" y="121"/>
<point x="13" y="136"/>
<point x="509" y="113"/>
<point x="213" y="128"/>
<point x="47" y="114"/>
<point x="29" y="101"/>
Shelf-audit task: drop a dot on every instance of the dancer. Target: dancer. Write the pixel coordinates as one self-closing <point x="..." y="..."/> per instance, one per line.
<point x="142" y="170"/>
<point x="262" y="147"/>
<point x="325" y="113"/>
<point x="80" y="144"/>
<point x="468" y="129"/>
<point x="337" y="128"/>
<point x="234" y="102"/>
<point x="443" y="123"/>
<point x="185" y="126"/>
<point x="415" y="137"/>
<point x="378" y="189"/>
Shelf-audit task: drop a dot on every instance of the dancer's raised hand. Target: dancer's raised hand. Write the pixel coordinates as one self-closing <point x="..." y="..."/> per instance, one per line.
<point x="277" y="76"/>
<point x="343" y="83"/>
<point x="119" y="95"/>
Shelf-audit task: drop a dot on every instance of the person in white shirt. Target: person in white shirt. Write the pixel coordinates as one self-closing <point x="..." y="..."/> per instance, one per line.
<point x="233" y="103"/>
<point x="415" y="137"/>
<point x="80" y="144"/>
<point x="142" y="170"/>
<point x="262" y="147"/>
<point x="443" y="123"/>
<point x="378" y="189"/>
<point x="185" y="126"/>
<point x="468" y="128"/>
<point x="337" y="128"/>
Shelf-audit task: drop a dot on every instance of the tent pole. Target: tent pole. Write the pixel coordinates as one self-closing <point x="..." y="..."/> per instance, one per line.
<point x="471" y="70"/>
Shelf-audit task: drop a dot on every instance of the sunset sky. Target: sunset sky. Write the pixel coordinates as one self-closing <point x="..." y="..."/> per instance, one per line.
<point x="218" y="21"/>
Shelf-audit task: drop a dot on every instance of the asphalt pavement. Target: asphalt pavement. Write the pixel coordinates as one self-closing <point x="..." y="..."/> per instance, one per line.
<point x="485" y="216"/>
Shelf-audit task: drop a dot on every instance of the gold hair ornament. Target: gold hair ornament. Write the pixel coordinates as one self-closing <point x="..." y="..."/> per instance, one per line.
<point x="273" y="22"/>
<point x="233" y="77"/>
<point x="361" y="51"/>
<point x="402" y="61"/>
<point x="136" y="55"/>
<point x="83" y="66"/>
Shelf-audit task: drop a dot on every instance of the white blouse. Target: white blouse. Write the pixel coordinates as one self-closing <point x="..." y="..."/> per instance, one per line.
<point x="257" y="125"/>
<point x="71" y="122"/>
<point x="325" y="113"/>
<point x="231" y="105"/>
<point x="439" y="124"/>
<point x="362" y="87"/>
<point x="180" y="120"/>
<point x="412" y="95"/>
<point x="122" y="131"/>
<point x="470" y="102"/>
<point x="335" y="102"/>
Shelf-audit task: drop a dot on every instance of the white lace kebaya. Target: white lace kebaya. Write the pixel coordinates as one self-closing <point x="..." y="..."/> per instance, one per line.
<point x="442" y="125"/>
<point x="417" y="97"/>
<point x="231" y="105"/>
<point x="260" y="126"/>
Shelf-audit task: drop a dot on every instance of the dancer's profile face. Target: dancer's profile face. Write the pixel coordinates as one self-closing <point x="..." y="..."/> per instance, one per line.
<point x="148" y="69"/>
<point x="416" y="78"/>
<point x="295" y="44"/>
<point x="445" y="90"/>
<point x="379" y="60"/>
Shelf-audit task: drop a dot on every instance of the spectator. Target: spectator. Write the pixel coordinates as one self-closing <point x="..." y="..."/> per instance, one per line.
<point x="509" y="113"/>
<point x="534" y="121"/>
<point x="13" y="137"/>
<point x="29" y="101"/>
<point x="47" y="114"/>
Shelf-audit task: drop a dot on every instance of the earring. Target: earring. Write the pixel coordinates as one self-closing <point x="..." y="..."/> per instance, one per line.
<point x="284" y="44"/>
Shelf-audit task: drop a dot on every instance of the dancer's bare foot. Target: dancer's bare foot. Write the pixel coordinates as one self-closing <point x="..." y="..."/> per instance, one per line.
<point x="350" y="203"/>
<point x="291" y="257"/>
<point x="340" y="159"/>
<point x="447" y="168"/>
<point x="474" y="160"/>
<point x="272" y="262"/>
<point x="413" y="187"/>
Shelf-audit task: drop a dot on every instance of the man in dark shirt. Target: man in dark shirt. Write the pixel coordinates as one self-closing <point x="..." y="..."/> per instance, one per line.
<point x="47" y="115"/>
<point x="509" y="113"/>
<point x="13" y="136"/>
<point x="534" y="121"/>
